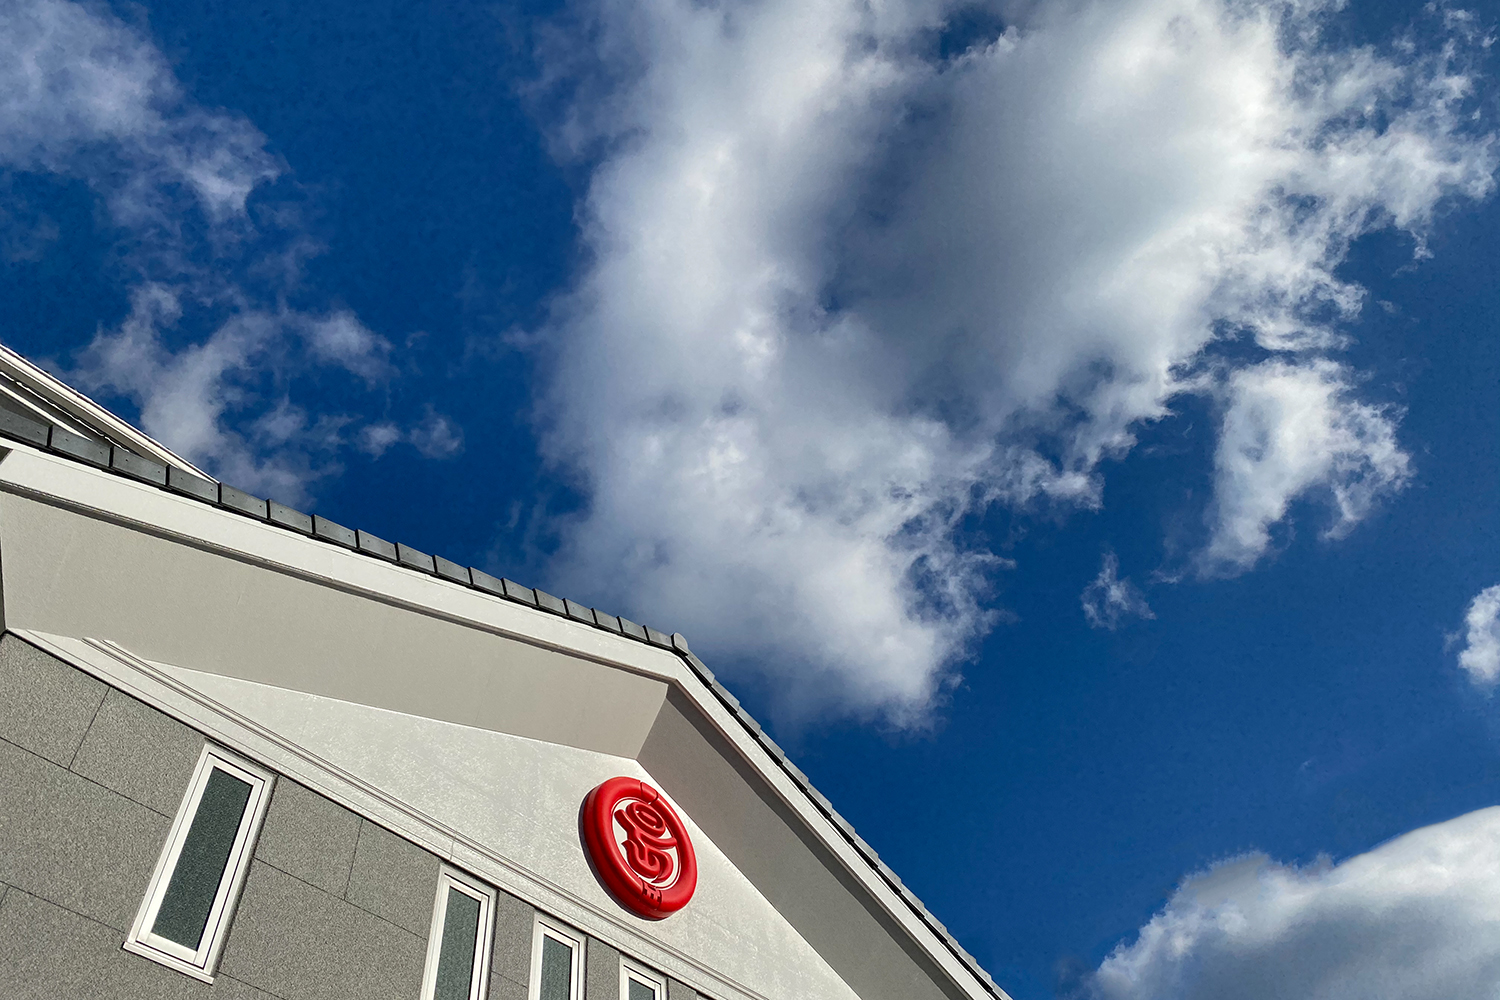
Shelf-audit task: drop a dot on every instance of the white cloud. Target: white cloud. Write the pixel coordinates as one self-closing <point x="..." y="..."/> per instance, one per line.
<point x="183" y="395"/>
<point x="1417" y="918"/>
<point x="376" y="439"/>
<point x="1289" y="429"/>
<point x="85" y="96"/>
<point x="845" y="294"/>
<point x="341" y="339"/>
<point x="1481" y="653"/>
<point x="1109" y="600"/>
<point x="434" y="436"/>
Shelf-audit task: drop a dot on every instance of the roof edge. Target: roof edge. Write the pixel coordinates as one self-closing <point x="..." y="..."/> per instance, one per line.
<point x="75" y="404"/>
<point x="186" y="481"/>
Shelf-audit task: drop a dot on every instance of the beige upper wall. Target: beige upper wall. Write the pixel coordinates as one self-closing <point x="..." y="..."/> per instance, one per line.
<point x="69" y="573"/>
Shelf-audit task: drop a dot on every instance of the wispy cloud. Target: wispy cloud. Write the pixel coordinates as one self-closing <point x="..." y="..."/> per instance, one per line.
<point x="1290" y="429"/>
<point x="434" y="436"/>
<point x="1109" y="600"/>
<point x="87" y="96"/>
<point x="846" y="292"/>
<point x="1417" y="918"/>
<point x="1480" y="657"/>
<point x="212" y="345"/>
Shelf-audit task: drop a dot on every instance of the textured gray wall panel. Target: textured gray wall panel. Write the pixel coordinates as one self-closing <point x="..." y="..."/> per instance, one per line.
<point x="299" y="942"/>
<point x="601" y="980"/>
<point x="309" y="836"/>
<point x="45" y="704"/>
<point x="229" y="988"/>
<point x="49" y="953"/>
<point x="137" y="751"/>
<point x="677" y="991"/>
<point x="503" y="989"/>
<point x="76" y="850"/>
<point x="70" y="841"/>
<point x="394" y="879"/>
<point x="515" y="923"/>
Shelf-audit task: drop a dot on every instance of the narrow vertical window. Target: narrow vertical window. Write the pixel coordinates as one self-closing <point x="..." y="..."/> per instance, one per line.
<point x="184" y="917"/>
<point x="458" y="946"/>
<point x="556" y="962"/>
<point x="638" y="984"/>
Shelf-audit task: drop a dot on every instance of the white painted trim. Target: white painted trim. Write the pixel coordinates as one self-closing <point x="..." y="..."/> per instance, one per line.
<point x="576" y="943"/>
<point x="451" y="879"/>
<point x="631" y="972"/>
<point x="87" y="412"/>
<point x="200" y="962"/>
<point x="57" y="416"/>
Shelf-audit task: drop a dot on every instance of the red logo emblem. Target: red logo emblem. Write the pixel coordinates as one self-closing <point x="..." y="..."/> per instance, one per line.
<point x="639" y="847"/>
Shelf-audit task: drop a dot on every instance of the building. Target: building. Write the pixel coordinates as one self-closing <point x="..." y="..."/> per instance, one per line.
<point x="249" y="753"/>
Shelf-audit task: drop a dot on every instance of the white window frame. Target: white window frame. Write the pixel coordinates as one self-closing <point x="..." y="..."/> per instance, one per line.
<point x="201" y="963"/>
<point x="631" y="971"/>
<point x="452" y="878"/>
<point x="545" y="928"/>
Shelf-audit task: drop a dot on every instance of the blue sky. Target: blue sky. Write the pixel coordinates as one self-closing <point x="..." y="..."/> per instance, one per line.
<point x="1079" y="417"/>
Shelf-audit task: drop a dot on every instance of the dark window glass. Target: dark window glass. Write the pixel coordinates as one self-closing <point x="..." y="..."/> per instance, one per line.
<point x="455" y="972"/>
<point x="205" y="853"/>
<point x="640" y="991"/>
<point x="557" y="970"/>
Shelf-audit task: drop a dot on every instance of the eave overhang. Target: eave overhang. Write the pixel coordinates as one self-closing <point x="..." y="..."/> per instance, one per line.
<point x="170" y="500"/>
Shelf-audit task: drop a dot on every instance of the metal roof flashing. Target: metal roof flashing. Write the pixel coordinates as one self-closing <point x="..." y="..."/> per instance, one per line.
<point x="182" y="481"/>
<point x="46" y="399"/>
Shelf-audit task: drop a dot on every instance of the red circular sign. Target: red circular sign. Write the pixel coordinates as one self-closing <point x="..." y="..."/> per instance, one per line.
<point x="639" y="847"/>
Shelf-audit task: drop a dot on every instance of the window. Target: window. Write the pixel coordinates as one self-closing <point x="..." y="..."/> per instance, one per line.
<point x="638" y="984"/>
<point x="556" y="962"/>
<point x="458" y="947"/>
<point x="185" y="915"/>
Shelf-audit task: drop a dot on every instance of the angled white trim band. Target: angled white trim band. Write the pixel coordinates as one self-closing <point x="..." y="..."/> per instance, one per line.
<point x="81" y="408"/>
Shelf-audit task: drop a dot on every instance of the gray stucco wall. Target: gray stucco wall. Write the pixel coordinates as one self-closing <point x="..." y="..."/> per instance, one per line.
<point x="601" y="973"/>
<point x="333" y="906"/>
<point x="515" y="922"/>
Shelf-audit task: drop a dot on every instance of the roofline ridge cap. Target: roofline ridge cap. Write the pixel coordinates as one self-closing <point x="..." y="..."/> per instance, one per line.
<point x="845" y="829"/>
<point x="79" y="405"/>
